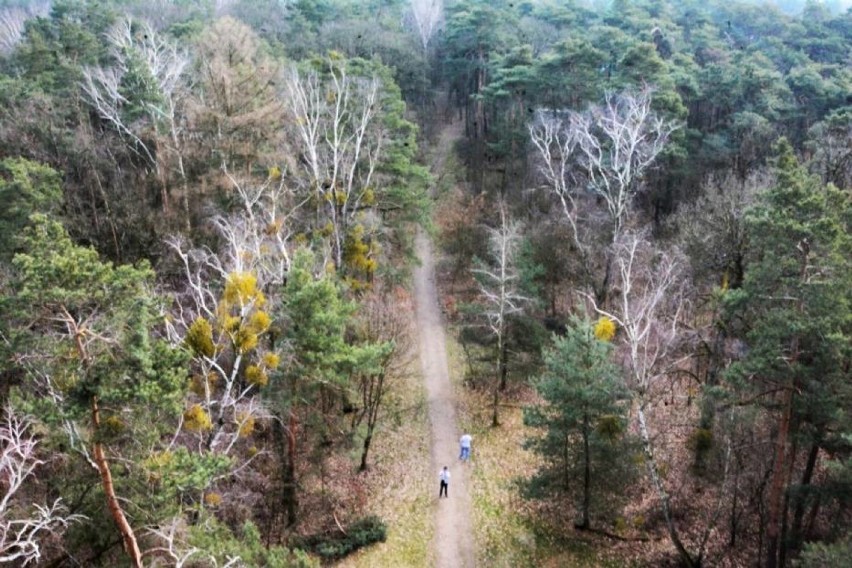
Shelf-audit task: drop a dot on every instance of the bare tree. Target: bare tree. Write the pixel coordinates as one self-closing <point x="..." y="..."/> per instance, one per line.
<point x="556" y="141"/>
<point x="648" y="310"/>
<point x="22" y="527"/>
<point x="173" y="551"/>
<point x="831" y="150"/>
<point x="254" y="260"/>
<point x="500" y="289"/>
<point x="385" y="324"/>
<point x="234" y="109"/>
<point x="618" y="141"/>
<point x="712" y="228"/>
<point x="340" y="140"/>
<point x="135" y="45"/>
<point x="171" y="546"/>
<point x="427" y="16"/>
<point x="602" y="152"/>
<point x="612" y="144"/>
<point x="13" y="20"/>
<point x="101" y="89"/>
<point x="257" y="235"/>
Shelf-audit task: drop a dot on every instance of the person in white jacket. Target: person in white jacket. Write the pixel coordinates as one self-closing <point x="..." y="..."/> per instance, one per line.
<point x="444" y="475"/>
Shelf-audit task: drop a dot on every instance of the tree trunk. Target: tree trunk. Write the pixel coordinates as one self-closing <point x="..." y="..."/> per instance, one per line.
<point x="715" y="364"/>
<point x="801" y="502"/>
<point x="131" y="547"/>
<point x="364" y="453"/>
<point x="732" y="542"/>
<point x="160" y="174"/>
<point x="495" y="421"/>
<point x="663" y="495"/>
<point x="504" y="364"/>
<point x="785" y="516"/>
<point x="602" y="292"/>
<point x="587" y="473"/>
<point x="288" y="473"/>
<point x="373" y="403"/>
<point x="778" y="484"/>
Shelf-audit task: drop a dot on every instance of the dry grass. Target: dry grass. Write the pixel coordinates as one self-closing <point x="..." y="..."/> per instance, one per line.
<point x="507" y="531"/>
<point x="396" y="484"/>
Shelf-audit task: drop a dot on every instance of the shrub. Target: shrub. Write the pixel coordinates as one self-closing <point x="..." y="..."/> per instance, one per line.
<point x="359" y="534"/>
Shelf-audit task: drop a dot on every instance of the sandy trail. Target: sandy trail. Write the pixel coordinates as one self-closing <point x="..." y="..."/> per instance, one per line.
<point x="453" y="541"/>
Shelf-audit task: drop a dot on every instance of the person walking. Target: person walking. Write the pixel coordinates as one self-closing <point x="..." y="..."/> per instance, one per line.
<point x="444" y="475"/>
<point x="464" y="444"/>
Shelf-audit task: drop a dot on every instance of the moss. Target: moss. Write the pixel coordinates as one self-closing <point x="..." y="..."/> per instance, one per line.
<point x="199" y="338"/>
<point x="212" y="499"/>
<point x="256" y="376"/>
<point x="246" y="424"/>
<point x="605" y="329"/>
<point x="610" y="427"/>
<point x="700" y="440"/>
<point x="259" y="322"/>
<point x="245" y="340"/>
<point x="271" y="360"/>
<point x="195" y="419"/>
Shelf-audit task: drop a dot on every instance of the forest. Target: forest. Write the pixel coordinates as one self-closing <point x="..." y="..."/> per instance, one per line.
<point x="262" y="262"/>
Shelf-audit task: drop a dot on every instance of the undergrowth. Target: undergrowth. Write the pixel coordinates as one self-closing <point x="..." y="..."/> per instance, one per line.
<point x="397" y="482"/>
<point x="507" y="532"/>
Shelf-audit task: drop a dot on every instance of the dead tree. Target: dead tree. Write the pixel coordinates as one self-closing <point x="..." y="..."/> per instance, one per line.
<point x="427" y="16"/>
<point x="13" y="21"/>
<point x="22" y="527"/>
<point x="341" y="142"/>
<point x="134" y="45"/>
<point x="648" y="311"/>
<point x="499" y="287"/>
<point x="618" y="142"/>
<point x="603" y="152"/>
<point x="255" y="250"/>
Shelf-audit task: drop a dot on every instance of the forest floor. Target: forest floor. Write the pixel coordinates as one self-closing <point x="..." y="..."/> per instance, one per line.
<point x="453" y="543"/>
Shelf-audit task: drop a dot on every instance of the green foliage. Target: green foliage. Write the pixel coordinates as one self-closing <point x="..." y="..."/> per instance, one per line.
<point x="569" y="75"/>
<point x="828" y="144"/>
<point x="701" y="440"/>
<point x="55" y="49"/>
<point x="139" y="89"/>
<point x="582" y="422"/>
<point x="793" y="309"/>
<point x="799" y="251"/>
<point x="88" y="331"/>
<point x="361" y="533"/>
<point x="55" y="272"/>
<point x="25" y="188"/>
<point x="176" y="476"/>
<point x="822" y="555"/>
<point x="837" y="550"/>
<point x="316" y="314"/>
<point x="221" y="544"/>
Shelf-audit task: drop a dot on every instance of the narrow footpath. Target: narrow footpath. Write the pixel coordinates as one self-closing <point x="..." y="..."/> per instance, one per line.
<point x="453" y="541"/>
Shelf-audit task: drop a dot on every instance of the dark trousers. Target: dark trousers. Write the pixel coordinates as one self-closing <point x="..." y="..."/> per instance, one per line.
<point x="443" y="490"/>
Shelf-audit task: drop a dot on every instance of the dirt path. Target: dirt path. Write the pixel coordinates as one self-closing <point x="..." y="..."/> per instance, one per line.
<point x="453" y="541"/>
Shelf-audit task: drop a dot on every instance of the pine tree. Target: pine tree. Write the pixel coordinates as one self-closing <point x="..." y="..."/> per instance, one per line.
<point x="83" y="334"/>
<point x="795" y="303"/>
<point x="584" y="442"/>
